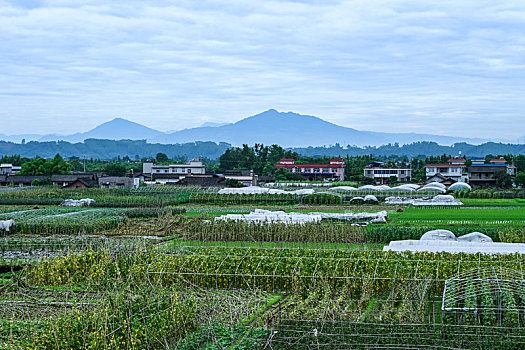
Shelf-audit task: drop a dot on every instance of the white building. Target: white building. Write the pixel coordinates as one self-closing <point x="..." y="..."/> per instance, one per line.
<point x="455" y="169"/>
<point x="381" y="174"/>
<point x="192" y="167"/>
<point x="9" y="169"/>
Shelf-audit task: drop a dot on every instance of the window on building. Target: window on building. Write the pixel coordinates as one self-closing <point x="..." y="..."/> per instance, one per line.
<point x="325" y="170"/>
<point x="317" y="170"/>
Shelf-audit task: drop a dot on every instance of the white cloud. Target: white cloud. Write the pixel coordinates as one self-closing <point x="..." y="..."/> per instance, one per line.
<point x="387" y="65"/>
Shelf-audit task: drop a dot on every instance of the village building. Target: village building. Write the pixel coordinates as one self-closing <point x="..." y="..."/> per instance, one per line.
<point x="9" y="169"/>
<point x="203" y="181"/>
<point x="194" y="166"/>
<point x="483" y="174"/>
<point x="246" y="177"/>
<point x="455" y="169"/>
<point x="21" y="180"/>
<point x="335" y="170"/>
<point x="118" y="182"/>
<point x="381" y="174"/>
<point x="75" y="180"/>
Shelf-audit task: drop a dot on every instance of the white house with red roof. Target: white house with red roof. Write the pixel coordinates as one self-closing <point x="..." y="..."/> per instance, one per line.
<point x="455" y="169"/>
<point x="335" y="170"/>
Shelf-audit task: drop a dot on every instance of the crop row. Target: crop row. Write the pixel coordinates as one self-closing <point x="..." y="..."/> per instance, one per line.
<point x="328" y="334"/>
<point x="276" y="269"/>
<point x="496" y="194"/>
<point x="334" y="232"/>
<point x="232" y="231"/>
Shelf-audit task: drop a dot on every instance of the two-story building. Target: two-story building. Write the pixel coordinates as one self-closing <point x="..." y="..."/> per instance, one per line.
<point x="381" y="173"/>
<point x="455" y="170"/>
<point x="9" y="169"/>
<point x="194" y="166"/>
<point x="335" y="170"/>
<point x="483" y="174"/>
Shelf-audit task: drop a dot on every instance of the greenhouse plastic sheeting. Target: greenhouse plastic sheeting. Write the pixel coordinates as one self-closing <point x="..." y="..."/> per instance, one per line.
<point x="261" y="216"/>
<point x="439" y="200"/>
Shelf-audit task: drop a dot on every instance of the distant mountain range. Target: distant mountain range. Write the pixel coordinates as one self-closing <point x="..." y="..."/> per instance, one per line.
<point x="270" y="127"/>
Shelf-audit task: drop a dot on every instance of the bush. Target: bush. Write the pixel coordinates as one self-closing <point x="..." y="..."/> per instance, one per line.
<point x="148" y="320"/>
<point x="234" y="183"/>
<point x="512" y="235"/>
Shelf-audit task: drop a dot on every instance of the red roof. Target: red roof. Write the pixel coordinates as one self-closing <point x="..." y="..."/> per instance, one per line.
<point x="498" y="160"/>
<point x="309" y="165"/>
<point x="445" y="165"/>
<point x="286" y="160"/>
<point x="457" y="160"/>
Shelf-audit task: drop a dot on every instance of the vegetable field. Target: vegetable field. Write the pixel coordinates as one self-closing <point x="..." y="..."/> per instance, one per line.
<point x="152" y="269"/>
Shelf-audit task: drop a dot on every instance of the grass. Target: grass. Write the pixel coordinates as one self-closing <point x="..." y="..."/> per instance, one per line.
<point x="493" y="202"/>
<point x="458" y="216"/>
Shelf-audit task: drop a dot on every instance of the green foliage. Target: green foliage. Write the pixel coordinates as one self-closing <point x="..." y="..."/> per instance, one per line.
<point x="281" y="174"/>
<point x="260" y="158"/>
<point x="233" y="183"/>
<point x="503" y="179"/>
<point x="512" y="235"/>
<point x="112" y="149"/>
<point x="14" y="160"/>
<point x="161" y="158"/>
<point x="41" y="166"/>
<point x="520" y="179"/>
<point x="322" y="198"/>
<point x="232" y="231"/>
<point x="122" y="321"/>
<point x="45" y="182"/>
<point x="115" y="169"/>
<point x="270" y="270"/>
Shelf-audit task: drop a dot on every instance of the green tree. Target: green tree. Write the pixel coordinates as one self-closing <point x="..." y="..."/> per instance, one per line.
<point x="503" y="180"/>
<point x="233" y="183"/>
<point x="76" y="165"/>
<point x="161" y="158"/>
<point x="520" y="179"/>
<point x="41" y="166"/>
<point x="115" y="169"/>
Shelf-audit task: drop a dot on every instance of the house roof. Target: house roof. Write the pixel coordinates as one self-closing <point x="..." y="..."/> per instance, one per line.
<point x="70" y="178"/>
<point x="238" y="172"/>
<point x="309" y="165"/>
<point x="440" y="177"/>
<point x="86" y="183"/>
<point x="25" y="178"/>
<point x="445" y="165"/>
<point x="457" y="160"/>
<point x="161" y="176"/>
<point x="203" y="180"/>
<point x="489" y="165"/>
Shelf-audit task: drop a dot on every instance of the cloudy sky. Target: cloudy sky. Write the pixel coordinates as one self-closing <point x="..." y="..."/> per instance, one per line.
<point x="445" y="67"/>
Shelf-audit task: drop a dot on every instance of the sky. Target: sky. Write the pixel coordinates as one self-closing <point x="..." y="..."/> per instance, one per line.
<point x="435" y="66"/>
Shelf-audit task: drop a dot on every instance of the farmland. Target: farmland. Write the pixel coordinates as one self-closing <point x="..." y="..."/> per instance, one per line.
<point x="151" y="268"/>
